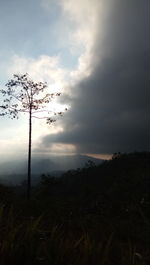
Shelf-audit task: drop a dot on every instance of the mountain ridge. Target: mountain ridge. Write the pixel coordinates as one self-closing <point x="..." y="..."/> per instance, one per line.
<point x="54" y="165"/>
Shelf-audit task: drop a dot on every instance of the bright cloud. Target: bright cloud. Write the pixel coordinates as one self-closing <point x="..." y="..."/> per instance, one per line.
<point x="84" y="14"/>
<point x="44" y="68"/>
<point x="78" y="20"/>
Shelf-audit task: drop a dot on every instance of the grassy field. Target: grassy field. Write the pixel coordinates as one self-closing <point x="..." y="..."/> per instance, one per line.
<point x="99" y="215"/>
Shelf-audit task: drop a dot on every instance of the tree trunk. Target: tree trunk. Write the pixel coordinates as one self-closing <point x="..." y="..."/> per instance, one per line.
<point x="29" y="157"/>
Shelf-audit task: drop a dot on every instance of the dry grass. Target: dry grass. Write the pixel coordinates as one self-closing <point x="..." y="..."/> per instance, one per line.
<point x="30" y="241"/>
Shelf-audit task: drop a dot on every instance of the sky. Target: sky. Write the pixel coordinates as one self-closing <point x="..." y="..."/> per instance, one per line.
<point x="97" y="54"/>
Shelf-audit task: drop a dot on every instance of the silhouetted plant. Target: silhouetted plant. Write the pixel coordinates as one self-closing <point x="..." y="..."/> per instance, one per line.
<point x="26" y="96"/>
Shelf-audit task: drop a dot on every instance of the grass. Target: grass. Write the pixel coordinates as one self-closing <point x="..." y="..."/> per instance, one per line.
<point x="35" y="240"/>
<point x="94" y="216"/>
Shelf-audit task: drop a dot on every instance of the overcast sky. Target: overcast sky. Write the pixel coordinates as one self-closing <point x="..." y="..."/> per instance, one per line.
<point x="98" y="54"/>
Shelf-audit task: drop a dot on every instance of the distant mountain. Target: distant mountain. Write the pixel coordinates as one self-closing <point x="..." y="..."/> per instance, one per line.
<point x="48" y="165"/>
<point x="61" y="163"/>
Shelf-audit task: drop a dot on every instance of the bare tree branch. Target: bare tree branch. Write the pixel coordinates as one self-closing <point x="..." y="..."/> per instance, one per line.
<point x="21" y="96"/>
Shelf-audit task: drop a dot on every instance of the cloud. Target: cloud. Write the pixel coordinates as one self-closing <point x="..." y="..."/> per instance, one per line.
<point x="34" y="41"/>
<point x="44" y="68"/>
<point x="101" y="60"/>
<point x="84" y="15"/>
<point x="112" y="111"/>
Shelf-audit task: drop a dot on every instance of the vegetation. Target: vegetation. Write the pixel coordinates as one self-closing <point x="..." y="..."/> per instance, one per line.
<point x="23" y="95"/>
<point x="90" y="216"/>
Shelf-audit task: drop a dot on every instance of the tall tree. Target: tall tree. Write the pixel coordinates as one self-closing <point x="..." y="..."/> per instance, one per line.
<point x="23" y="95"/>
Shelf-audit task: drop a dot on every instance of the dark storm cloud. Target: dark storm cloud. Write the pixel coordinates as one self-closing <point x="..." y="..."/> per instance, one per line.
<point x="112" y="111"/>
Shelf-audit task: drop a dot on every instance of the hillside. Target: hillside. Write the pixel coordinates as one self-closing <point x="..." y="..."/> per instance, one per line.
<point x="16" y="170"/>
<point x="99" y="214"/>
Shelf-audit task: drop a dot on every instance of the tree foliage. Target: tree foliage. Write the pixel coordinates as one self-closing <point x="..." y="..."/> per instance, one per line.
<point x="23" y="95"/>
